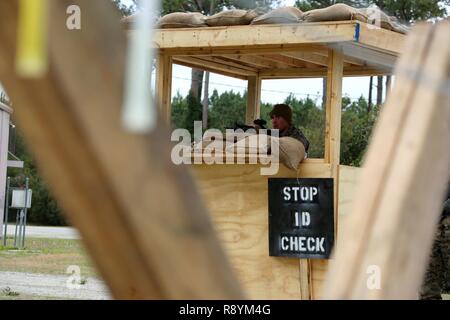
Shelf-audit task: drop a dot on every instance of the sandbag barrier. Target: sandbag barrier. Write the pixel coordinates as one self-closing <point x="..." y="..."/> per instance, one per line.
<point x="284" y="15"/>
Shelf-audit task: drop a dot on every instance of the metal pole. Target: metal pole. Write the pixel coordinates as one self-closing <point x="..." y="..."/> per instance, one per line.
<point x="25" y="211"/>
<point x="6" y="211"/>
<point x="15" y="231"/>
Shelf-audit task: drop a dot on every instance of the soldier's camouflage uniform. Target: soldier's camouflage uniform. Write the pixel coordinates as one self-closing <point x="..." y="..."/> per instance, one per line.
<point x="437" y="277"/>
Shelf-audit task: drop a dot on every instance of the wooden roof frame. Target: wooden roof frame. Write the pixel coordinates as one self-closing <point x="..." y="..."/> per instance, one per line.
<point x="253" y="53"/>
<point x="258" y="52"/>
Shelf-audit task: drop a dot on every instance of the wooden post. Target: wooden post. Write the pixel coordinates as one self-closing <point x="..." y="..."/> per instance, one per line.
<point x="139" y="214"/>
<point x="253" y="99"/>
<point x="164" y="86"/>
<point x="384" y="249"/>
<point x="333" y="120"/>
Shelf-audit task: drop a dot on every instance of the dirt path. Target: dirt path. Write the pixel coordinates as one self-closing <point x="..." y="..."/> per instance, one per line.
<point x="52" y="286"/>
<point x="47" y="232"/>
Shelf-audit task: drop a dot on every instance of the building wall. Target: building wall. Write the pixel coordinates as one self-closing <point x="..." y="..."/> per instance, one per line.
<point x="5" y="112"/>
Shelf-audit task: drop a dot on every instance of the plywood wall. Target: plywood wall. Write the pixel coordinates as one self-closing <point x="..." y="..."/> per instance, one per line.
<point x="236" y="196"/>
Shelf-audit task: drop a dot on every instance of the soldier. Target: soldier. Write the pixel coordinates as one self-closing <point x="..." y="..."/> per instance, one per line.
<point x="437" y="277"/>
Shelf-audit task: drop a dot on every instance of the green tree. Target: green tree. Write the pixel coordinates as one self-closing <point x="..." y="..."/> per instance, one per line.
<point x="44" y="208"/>
<point x="410" y="11"/>
<point x="306" y="5"/>
<point x="357" y="126"/>
<point x="227" y="109"/>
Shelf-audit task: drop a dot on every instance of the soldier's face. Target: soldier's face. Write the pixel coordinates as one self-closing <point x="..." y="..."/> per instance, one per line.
<point x="279" y="123"/>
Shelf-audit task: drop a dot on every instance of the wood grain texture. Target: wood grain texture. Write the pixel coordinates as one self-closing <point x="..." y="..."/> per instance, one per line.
<point x="237" y="197"/>
<point x="144" y="225"/>
<point x="400" y="193"/>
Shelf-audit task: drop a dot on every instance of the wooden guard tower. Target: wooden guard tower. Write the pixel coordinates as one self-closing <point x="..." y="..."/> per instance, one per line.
<point x="236" y="195"/>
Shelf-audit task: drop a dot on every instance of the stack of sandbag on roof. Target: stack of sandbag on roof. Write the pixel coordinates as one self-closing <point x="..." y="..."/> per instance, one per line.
<point x="233" y="17"/>
<point x="171" y="20"/>
<point x="182" y="20"/>
<point x="378" y="18"/>
<point x="280" y="16"/>
<point x="337" y="12"/>
<point x="343" y="12"/>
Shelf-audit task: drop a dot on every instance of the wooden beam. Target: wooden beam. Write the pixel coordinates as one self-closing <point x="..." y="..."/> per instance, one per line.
<point x="389" y="234"/>
<point x="200" y="63"/>
<point x="381" y="40"/>
<point x="255" y="50"/>
<point x="333" y="106"/>
<point x="286" y="61"/>
<point x="229" y="62"/>
<point x="308" y="57"/>
<point x="164" y="87"/>
<point x="254" y="60"/>
<point x="205" y="68"/>
<point x="253" y="100"/>
<point x="333" y="122"/>
<point x="144" y="225"/>
<point x="319" y="72"/>
<point x="240" y="37"/>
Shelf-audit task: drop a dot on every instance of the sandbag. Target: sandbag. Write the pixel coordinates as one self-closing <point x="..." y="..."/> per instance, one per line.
<point x="292" y="152"/>
<point x="130" y="21"/>
<point x="337" y="12"/>
<point x="232" y="18"/>
<point x="377" y="17"/>
<point x="182" y="20"/>
<point x="251" y="145"/>
<point x="280" y="16"/>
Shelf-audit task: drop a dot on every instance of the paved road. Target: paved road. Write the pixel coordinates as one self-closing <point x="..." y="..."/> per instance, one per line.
<point x="53" y="286"/>
<point x="47" y="232"/>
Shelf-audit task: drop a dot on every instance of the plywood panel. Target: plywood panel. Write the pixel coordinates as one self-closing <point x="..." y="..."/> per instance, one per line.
<point x="236" y="196"/>
<point x="348" y="177"/>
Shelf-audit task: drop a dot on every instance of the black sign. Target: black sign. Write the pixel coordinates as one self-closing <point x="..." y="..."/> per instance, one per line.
<point x="301" y="218"/>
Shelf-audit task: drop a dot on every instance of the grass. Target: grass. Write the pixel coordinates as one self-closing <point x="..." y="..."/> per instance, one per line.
<point x="51" y="256"/>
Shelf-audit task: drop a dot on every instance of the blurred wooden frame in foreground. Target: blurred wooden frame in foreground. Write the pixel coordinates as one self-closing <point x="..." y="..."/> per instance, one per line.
<point x="139" y="215"/>
<point x="142" y="218"/>
<point x="400" y="193"/>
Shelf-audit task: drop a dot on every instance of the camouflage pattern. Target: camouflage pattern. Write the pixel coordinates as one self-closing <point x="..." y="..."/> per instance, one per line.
<point x="437" y="277"/>
<point x="295" y="133"/>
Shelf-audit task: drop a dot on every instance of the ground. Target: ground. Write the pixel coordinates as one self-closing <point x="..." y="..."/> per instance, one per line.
<point x="44" y="268"/>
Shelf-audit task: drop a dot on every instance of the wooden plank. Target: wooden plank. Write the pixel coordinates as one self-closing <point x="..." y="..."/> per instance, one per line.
<point x="305" y="273"/>
<point x="239" y="37"/>
<point x="228" y="62"/>
<point x="289" y="73"/>
<point x="236" y="196"/>
<point x="348" y="177"/>
<point x="308" y="57"/>
<point x="253" y="50"/>
<point x="201" y="64"/>
<point x="333" y="112"/>
<point x="285" y="60"/>
<point x="382" y="40"/>
<point x="333" y="107"/>
<point x="253" y="100"/>
<point x="254" y="61"/>
<point x="205" y="68"/>
<point x="374" y="58"/>
<point x="164" y="87"/>
<point x="144" y="225"/>
<point x="401" y="193"/>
